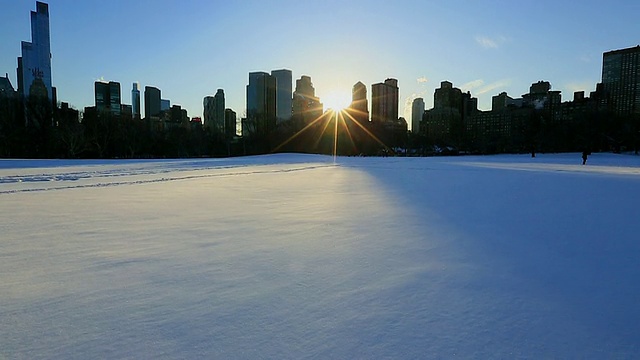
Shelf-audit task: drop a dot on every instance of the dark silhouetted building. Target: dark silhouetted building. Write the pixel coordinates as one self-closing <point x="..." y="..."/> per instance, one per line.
<point x="541" y="96"/>
<point x="152" y="97"/>
<point x="214" y="112"/>
<point x="304" y="86"/>
<point x="306" y="106"/>
<point x="447" y="96"/>
<point x="6" y="89"/>
<point x="107" y="97"/>
<point x="230" y="123"/>
<point x="621" y="79"/>
<point x="261" y="105"/>
<point x="284" y="96"/>
<point x="384" y="101"/>
<point x="385" y="123"/>
<point x="177" y="115"/>
<point x="502" y="101"/>
<point x="443" y="124"/>
<point x="417" y="110"/>
<point x="208" y="104"/>
<point x="218" y="111"/>
<point x="359" y="108"/>
<point x="195" y="124"/>
<point x="126" y="110"/>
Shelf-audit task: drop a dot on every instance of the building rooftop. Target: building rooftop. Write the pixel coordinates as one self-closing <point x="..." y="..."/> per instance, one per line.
<point x="624" y="51"/>
<point x="5" y="85"/>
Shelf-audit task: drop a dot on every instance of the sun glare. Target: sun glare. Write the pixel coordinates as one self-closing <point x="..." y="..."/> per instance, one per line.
<point x="336" y="100"/>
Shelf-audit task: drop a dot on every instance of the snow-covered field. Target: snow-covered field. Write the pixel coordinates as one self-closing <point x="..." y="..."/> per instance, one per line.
<point x="295" y="256"/>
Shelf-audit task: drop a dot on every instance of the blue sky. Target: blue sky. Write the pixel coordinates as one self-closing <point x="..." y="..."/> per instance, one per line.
<point x="191" y="48"/>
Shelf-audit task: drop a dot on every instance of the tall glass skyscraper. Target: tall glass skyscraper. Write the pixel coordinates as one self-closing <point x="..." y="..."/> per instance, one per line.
<point x="35" y="62"/>
<point x="284" y="93"/>
<point x="135" y="101"/>
<point x="261" y="104"/>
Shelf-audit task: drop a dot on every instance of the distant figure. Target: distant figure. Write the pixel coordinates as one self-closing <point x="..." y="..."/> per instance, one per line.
<point x="585" y="154"/>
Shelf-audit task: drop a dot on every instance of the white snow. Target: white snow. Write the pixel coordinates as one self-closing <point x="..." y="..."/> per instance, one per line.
<point x="295" y="256"/>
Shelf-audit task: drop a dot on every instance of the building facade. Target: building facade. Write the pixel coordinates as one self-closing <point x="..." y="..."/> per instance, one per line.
<point x="230" y="123"/>
<point x="284" y="94"/>
<point x="152" y="97"/>
<point x="35" y="62"/>
<point x="6" y="89"/>
<point x="359" y="108"/>
<point x="444" y="123"/>
<point x="417" y="110"/>
<point x="214" y="112"/>
<point x="306" y="106"/>
<point x="218" y="111"/>
<point x="108" y="97"/>
<point x="261" y="105"/>
<point x="165" y="104"/>
<point x="208" y="111"/>
<point x="135" y="101"/>
<point x="384" y="101"/>
<point x="621" y="79"/>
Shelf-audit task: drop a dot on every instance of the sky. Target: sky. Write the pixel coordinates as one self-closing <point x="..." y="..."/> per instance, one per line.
<point x="189" y="49"/>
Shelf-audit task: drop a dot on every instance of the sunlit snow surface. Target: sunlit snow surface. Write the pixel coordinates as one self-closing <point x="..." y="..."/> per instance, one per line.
<point x="295" y="256"/>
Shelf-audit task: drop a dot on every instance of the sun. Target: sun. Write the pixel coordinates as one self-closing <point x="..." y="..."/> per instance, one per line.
<point x="336" y="100"/>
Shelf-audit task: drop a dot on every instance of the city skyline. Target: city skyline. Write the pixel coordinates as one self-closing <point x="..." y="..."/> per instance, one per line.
<point x="483" y="48"/>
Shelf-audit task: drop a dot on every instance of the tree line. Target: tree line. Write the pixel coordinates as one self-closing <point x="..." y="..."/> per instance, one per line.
<point x="33" y="128"/>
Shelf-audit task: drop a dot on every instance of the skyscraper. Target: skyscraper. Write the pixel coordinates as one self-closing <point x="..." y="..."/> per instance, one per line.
<point x="208" y="110"/>
<point x="6" y="89"/>
<point x="284" y="83"/>
<point x="306" y="106"/>
<point x="384" y="101"/>
<point x="107" y="97"/>
<point x="359" y="108"/>
<point x="304" y="86"/>
<point x="252" y="92"/>
<point x="165" y="104"/>
<point x="101" y="95"/>
<point x="447" y="97"/>
<point x="218" y="110"/>
<point x="230" y="122"/>
<point x="621" y="79"/>
<point x="135" y="101"/>
<point x="417" y="110"/>
<point x="444" y="123"/>
<point x="152" y="98"/>
<point x="214" y="107"/>
<point x="115" y="100"/>
<point x="35" y="62"/>
<point x="261" y="104"/>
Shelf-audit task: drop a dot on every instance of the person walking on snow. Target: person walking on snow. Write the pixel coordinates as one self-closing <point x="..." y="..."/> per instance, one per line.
<point x="585" y="154"/>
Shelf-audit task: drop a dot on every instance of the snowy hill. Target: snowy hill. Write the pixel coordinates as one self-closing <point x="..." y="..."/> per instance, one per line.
<point x="295" y="256"/>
